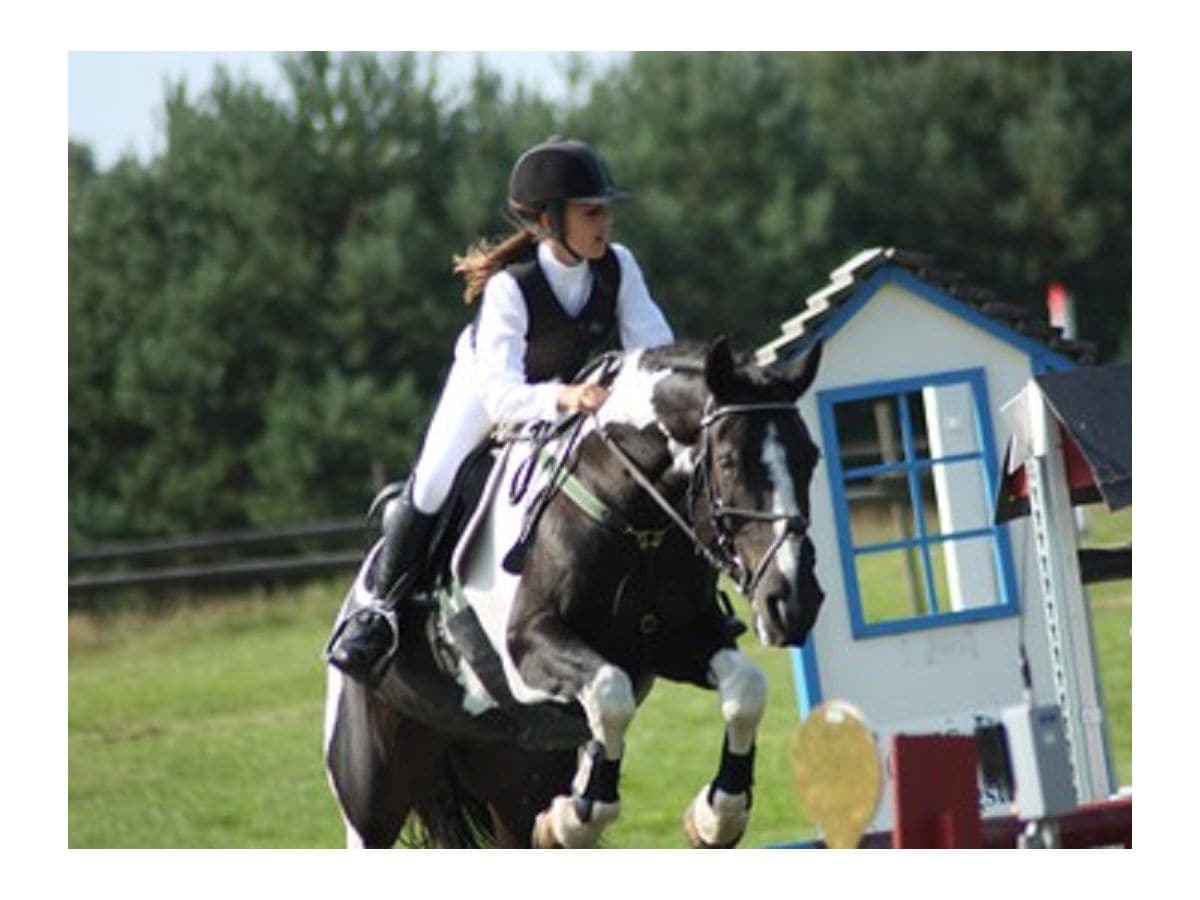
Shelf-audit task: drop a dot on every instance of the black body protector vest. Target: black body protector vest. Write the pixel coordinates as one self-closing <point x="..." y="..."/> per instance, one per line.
<point x="556" y="345"/>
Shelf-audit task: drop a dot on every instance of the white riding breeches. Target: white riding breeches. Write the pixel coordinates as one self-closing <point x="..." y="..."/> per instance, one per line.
<point x="459" y="424"/>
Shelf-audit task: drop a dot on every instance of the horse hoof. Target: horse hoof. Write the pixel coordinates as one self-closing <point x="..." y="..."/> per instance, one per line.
<point x="543" y="834"/>
<point x="692" y="832"/>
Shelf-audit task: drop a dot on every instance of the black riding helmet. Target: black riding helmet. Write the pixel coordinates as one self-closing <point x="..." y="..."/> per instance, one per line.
<point x="549" y="174"/>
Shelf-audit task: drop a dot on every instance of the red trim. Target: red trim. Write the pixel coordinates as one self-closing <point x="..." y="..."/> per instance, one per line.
<point x="1108" y="823"/>
<point x="1079" y="474"/>
<point x="934" y="790"/>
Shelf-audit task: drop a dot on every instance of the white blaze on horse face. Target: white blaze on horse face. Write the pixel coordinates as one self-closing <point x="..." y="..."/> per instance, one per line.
<point x="783" y="503"/>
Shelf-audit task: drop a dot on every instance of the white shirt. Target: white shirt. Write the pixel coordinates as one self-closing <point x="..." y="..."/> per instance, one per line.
<point x="498" y="355"/>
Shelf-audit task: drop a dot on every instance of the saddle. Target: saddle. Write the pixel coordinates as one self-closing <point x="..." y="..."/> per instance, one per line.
<point x="465" y="495"/>
<point x="449" y="671"/>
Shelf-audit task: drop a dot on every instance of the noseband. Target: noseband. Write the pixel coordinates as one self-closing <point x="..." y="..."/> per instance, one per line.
<point x="724" y="555"/>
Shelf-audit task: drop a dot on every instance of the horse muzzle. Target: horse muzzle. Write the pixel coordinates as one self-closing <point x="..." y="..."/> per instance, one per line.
<point x="785" y="608"/>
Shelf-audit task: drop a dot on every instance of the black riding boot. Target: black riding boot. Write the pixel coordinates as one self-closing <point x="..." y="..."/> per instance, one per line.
<point x="368" y="636"/>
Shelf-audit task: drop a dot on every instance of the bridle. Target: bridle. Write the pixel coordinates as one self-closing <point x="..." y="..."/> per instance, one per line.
<point x="723" y="556"/>
<point x="719" y="513"/>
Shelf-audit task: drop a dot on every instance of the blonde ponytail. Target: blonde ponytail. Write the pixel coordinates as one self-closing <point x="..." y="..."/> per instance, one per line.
<point x="484" y="259"/>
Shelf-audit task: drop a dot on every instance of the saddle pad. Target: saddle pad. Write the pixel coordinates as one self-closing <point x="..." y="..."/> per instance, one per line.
<point x="479" y="606"/>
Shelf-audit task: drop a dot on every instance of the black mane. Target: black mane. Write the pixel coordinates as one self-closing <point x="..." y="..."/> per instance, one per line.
<point x="687" y="357"/>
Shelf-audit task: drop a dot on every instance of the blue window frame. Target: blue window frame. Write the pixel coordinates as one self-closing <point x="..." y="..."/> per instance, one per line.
<point x="913" y="469"/>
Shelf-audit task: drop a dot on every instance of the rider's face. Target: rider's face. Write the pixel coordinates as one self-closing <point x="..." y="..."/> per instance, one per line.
<point x="588" y="228"/>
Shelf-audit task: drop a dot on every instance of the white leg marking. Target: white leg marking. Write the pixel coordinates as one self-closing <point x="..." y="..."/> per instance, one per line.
<point x="743" y="689"/>
<point x="609" y="704"/>
<point x="574" y="834"/>
<point x="783" y="503"/>
<point x="724" y="821"/>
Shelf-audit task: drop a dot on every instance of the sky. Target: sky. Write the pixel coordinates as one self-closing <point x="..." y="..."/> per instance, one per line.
<point x="115" y="99"/>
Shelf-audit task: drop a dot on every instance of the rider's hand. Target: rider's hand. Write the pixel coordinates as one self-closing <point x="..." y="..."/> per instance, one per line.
<point x="584" y="398"/>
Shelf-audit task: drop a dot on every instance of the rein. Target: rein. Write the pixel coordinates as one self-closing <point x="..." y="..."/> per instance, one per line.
<point x="725" y="558"/>
<point x="649" y="487"/>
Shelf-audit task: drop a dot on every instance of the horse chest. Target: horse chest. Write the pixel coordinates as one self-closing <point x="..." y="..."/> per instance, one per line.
<point x="641" y="604"/>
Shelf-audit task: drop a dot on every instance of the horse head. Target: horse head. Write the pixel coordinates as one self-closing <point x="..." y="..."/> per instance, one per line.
<point x="756" y="462"/>
<point x="735" y="432"/>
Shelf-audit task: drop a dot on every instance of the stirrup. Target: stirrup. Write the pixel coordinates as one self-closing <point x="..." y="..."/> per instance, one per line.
<point x="380" y="667"/>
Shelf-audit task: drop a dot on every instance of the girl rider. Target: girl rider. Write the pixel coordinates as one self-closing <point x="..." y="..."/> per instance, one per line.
<point x="552" y="294"/>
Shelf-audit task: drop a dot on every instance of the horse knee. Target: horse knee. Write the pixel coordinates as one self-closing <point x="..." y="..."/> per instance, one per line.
<point x="743" y="689"/>
<point x="610" y="705"/>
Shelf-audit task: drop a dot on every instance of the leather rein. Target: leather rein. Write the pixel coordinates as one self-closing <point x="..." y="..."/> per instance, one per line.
<point x="724" y="557"/>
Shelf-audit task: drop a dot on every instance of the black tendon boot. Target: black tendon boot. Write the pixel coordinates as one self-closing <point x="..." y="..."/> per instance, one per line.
<point x="367" y="637"/>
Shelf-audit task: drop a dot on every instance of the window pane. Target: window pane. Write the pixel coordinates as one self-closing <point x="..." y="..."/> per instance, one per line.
<point x="880" y="509"/>
<point x="955" y="498"/>
<point x="868" y="432"/>
<point x="917" y="422"/>
<point x="891" y="585"/>
<point x="949" y="416"/>
<point x="965" y="573"/>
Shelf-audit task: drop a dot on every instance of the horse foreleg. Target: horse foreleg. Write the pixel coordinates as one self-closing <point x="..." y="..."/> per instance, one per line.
<point x="548" y="654"/>
<point x="578" y="820"/>
<point x="718" y="815"/>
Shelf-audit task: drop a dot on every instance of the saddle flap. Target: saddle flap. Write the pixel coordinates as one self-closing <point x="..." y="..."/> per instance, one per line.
<point x="467" y="493"/>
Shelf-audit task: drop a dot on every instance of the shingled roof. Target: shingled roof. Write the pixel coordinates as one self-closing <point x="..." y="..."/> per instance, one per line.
<point x="848" y="277"/>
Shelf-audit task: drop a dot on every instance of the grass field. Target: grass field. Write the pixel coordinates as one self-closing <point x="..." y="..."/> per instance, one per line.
<point x="199" y="725"/>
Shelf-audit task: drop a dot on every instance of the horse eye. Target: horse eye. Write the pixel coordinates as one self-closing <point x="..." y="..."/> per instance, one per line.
<point x="727" y="461"/>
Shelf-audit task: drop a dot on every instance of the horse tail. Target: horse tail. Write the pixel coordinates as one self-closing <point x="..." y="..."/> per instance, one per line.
<point x="449" y="815"/>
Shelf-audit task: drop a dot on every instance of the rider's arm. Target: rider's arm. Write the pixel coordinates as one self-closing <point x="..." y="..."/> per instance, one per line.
<point x="500" y="357"/>
<point x="642" y="323"/>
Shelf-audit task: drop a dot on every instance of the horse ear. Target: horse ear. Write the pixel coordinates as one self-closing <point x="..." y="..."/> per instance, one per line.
<point x="719" y="368"/>
<point x="799" y="374"/>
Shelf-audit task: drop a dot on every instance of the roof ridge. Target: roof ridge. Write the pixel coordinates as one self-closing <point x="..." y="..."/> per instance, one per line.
<point x="845" y="279"/>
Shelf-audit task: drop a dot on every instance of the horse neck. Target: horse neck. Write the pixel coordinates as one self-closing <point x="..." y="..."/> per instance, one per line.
<point x="665" y="397"/>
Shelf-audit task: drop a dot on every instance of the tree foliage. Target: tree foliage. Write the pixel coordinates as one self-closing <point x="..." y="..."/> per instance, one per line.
<point x="260" y="317"/>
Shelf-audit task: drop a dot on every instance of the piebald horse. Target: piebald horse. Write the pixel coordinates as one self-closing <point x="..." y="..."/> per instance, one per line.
<point x="503" y="714"/>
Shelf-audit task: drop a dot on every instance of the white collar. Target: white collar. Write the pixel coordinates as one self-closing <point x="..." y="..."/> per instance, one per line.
<point x="554" y="268"/>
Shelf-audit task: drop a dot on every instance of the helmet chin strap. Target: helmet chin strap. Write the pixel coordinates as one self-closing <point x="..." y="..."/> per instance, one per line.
<point x="558" y="229"/>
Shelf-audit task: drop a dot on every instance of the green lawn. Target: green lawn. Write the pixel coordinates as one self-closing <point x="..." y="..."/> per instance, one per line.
<point x="201" y="727"/>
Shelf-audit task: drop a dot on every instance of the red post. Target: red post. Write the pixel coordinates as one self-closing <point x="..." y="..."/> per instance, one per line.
<point x="935" y="791"/>
<point x="1058" y="307"/>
